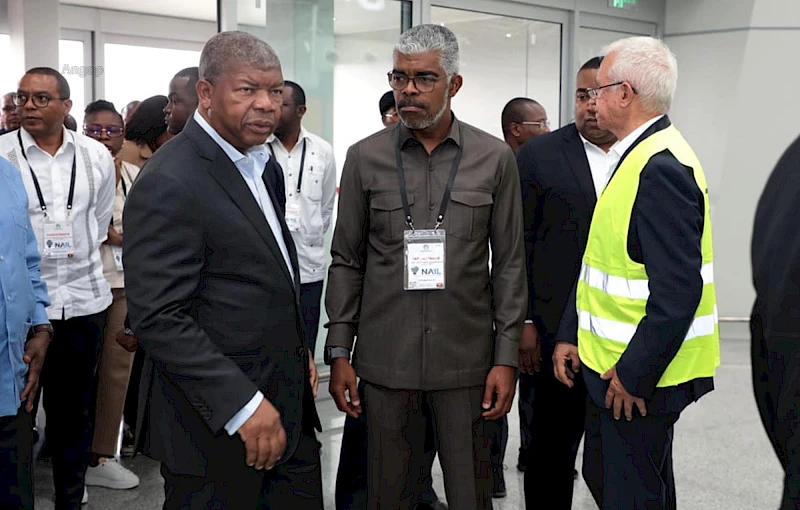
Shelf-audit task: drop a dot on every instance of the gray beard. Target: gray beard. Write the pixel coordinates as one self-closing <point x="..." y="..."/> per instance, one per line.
<point x="426" y="122"/>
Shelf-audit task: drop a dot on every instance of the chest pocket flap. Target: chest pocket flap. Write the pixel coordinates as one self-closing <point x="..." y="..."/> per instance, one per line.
<point x="387" y="219"/>
<point x="469" y="214"/>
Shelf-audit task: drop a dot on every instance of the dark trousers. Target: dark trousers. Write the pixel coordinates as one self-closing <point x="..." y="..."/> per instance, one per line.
<point x="132" y="396"/>
<point x="556" y="430"/>
<point x="396" y="431"/>
<point x="69" y="385"/>
<point x="295" y="485"/>
<point x="497" y="431"/>
<point x="16" y="466"/>
<point x="776" y="382"/>
<point x="628" y="464"/>
<point x="351" y="477"/>
<point x="525" y="403"/>
<point x="310" y="299"/>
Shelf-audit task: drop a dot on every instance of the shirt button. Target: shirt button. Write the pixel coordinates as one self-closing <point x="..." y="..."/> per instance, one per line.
<point x="431" y="206"/>
<point x="428" y="331"/>
<point x="2" y="258"/>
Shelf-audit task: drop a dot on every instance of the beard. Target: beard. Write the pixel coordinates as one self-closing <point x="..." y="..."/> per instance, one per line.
<point x="424" y="122"/>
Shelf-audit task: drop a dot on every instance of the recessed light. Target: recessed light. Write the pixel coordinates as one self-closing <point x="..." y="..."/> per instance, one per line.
<point x="508" y="36"/>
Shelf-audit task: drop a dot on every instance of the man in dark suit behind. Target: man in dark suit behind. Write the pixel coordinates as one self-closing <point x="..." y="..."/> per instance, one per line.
<point x="774" y="324"/>
<point x="212" y="283"/>
<point x="562" y="174"/>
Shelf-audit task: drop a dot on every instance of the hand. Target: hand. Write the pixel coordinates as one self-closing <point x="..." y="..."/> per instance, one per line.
<point x="618" y="398"/>
<point x="313" y="375"/>
<point x="563" y="353"/>
<point x="114" y="237"/>
<point x="343" y="384"/>
<point x="35" y="351"/>
<point x="530" y="350"/>
<point x="263" y="436"/>
<point x="127" y="342"/>
<point x="501" y="381"/>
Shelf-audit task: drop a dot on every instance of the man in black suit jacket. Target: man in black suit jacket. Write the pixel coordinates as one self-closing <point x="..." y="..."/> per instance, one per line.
<point x="212" y="286"/>
<point x="774" y="324"/>
<point x="559" y="191"/>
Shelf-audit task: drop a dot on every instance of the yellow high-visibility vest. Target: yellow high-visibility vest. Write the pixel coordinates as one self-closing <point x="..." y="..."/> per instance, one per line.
<point x="613" y="289"/>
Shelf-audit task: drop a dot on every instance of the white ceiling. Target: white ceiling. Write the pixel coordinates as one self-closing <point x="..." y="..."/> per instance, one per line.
<point x="350" y="16"/>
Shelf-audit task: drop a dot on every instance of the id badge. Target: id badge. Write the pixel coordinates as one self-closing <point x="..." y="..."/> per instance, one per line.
<point x="117" y="252"/>
<point x="293" y="216"/>
<point x="58" y="240"/>
<point x="424" y="259"/>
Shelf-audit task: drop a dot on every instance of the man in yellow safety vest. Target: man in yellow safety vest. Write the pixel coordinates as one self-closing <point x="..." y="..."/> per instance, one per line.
<point x="644" y="324"/>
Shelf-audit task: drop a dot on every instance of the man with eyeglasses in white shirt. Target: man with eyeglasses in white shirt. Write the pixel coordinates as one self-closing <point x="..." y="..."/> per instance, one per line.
<point x="69" y="179"/>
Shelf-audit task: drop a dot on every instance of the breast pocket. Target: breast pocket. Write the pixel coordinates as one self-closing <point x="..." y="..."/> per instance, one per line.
<point x="387" y="219"/>
<point x="312" y="183"/>
<point x="469" y="214"/>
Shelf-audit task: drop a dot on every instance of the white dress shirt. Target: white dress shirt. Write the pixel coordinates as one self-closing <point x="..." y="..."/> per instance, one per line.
<point x="621" y="147"/>
<point x="251" y="167"/>
<point x="314" y="202"/>
<point x="600" y="163"/>
<point x="76" y="285"/>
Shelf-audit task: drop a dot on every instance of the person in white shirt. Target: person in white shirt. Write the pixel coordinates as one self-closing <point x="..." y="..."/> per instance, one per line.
<point x="309" y="176"/>
<point x="69" y="179"/>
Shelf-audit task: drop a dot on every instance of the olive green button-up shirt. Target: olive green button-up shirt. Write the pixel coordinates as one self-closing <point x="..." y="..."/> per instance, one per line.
<point x="438" y="339"/>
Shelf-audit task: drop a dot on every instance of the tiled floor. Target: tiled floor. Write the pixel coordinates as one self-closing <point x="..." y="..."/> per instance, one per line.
<point x="723" y="459"/>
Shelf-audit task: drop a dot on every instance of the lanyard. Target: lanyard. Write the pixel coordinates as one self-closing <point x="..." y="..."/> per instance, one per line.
<point x="42" y="205"/>
<point x="448" y="188"/>
<point x="302" y="163"/>
<point x="122" y="174"/>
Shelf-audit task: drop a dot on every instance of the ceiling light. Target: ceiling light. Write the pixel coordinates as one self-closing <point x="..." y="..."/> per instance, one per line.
<point x="508" y="36"/>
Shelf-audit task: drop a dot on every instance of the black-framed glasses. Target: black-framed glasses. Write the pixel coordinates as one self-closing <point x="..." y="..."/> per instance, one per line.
<point x="423" y="83"/>
<point x="39" y="100"/>
<point x="541" y="124"/>
<point x="593" y="92"/>
<point x="96" y="130"/>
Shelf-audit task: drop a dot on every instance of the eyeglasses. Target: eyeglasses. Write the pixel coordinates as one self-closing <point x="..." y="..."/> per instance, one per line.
<point x="424" y="83"/>
<point x="39" y="100"/>
<point x="390" y="115"/>
<point x="540" y="123"/>
<point x="96" y="130"/>
<point x="593" y="92"/>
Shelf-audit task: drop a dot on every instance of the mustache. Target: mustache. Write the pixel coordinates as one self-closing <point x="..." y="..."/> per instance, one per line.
<point x="408" y="102"/>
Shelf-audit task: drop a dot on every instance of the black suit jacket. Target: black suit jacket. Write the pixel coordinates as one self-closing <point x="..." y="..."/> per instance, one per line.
<point x="666" y="227"/>
<point x="558" y="198"/>
<point x="214" y="307"/>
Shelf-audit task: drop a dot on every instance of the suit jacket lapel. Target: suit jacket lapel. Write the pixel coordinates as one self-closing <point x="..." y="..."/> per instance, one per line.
<point x="579" y="164"/>
<point x="227" y="175"/>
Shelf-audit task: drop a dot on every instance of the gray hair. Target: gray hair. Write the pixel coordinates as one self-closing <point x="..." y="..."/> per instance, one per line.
<point x="235" y="47"/>
<point x="649" y="66"/>
<point x="423" y="38"/>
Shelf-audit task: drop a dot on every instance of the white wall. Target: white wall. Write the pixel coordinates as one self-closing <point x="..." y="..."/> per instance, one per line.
<point x="736" y="76"/>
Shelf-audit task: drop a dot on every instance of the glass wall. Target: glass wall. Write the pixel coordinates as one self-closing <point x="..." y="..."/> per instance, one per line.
<point x="502" y="58"/>
<point x="339" y="51"/>
<point x="125" y="83"/>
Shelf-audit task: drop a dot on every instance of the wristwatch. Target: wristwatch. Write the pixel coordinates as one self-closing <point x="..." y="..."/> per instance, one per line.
<point x="127" y="331"/>
<point x="332" y="353"/>
<point x="43" y="327"/>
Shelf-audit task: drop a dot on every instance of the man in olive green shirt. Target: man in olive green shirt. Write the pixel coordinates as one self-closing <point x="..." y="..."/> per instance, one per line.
<point x="454" y="347"/>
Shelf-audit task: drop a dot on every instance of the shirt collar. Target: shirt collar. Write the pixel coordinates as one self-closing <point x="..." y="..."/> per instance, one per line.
<point x="453" y="134"/>
<point x="622" y="146"/>
<point x="258" y="152"/>
<point x="28" y="142"/>
<point x="587" y="143"/>
<point x="304" y="135"/>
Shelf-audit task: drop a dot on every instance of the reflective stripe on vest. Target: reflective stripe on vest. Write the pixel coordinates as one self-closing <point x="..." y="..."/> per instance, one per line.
<point x="613" y="289"/>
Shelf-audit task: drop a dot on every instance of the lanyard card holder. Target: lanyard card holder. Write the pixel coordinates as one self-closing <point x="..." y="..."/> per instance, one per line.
<point x="424" y="267"/>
